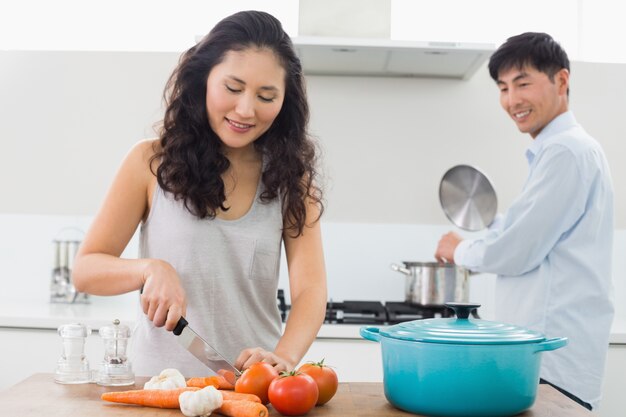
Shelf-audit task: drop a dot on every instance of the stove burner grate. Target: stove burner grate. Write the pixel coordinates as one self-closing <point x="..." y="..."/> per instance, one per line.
<point x="399" y="311"/>
<point x="356" y="312"/>
<point x="373" y="312"/>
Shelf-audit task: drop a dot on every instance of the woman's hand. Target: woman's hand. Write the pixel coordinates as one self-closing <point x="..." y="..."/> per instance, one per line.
<point x="253" y="355"/>
<point x="163" y="299"/>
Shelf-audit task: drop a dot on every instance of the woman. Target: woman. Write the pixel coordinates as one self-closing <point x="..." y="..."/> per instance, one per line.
<point x="229" y="179"/>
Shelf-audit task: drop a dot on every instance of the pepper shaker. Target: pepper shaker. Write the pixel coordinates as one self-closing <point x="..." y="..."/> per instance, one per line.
<point x="115" y="369"/>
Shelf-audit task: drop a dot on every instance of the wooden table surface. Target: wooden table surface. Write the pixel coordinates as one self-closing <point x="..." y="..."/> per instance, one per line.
<point x="39" y="396"/>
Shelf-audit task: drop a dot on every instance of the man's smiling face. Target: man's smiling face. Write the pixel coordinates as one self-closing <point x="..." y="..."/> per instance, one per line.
<point x="531" y="98"/>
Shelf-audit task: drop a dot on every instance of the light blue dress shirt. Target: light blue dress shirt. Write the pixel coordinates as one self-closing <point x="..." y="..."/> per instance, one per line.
<point x="552" y="254"/>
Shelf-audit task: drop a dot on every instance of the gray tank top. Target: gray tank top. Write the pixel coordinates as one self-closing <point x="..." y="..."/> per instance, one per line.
<point x="229" y="270"/>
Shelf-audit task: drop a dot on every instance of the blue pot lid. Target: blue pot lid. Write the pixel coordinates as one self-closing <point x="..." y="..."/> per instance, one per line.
<point x="462" y="330"/>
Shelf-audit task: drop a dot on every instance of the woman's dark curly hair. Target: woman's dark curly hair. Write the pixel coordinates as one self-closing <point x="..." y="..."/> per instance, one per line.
<point x="191" y="161"/>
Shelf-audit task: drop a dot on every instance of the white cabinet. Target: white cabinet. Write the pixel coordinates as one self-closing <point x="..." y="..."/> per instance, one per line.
<point x="29" y="351"/>
<point x="354" y="360"/>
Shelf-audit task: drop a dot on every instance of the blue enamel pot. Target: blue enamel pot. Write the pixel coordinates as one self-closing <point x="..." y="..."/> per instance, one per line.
<point x="461" y="367"/>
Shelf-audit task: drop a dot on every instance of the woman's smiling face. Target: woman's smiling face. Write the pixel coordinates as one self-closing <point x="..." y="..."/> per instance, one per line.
<point x="245" y="93"/>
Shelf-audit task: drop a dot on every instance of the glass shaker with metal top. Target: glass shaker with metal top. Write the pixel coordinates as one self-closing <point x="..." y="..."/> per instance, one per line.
<point x="115" y="369"/>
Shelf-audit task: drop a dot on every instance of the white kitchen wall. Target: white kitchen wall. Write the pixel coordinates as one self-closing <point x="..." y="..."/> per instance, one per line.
<point x="68" y="118"/>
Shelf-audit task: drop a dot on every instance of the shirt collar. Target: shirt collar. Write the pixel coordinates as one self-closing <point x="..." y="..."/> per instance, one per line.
<point x="560" y="123"/>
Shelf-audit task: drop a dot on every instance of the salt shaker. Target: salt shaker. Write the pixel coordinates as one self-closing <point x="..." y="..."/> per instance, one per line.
<point x="73" y="366"/>
<point x="115" y="369"/>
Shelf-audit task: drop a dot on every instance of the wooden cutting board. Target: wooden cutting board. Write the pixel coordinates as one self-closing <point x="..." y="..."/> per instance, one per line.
<point x="40" y="396"/>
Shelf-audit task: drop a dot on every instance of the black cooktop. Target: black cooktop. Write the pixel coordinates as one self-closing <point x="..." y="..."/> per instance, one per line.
<point x="374" y="312"/>
<point x="356" y="312"/>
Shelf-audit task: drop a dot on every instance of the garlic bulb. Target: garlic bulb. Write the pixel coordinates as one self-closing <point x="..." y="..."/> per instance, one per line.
<point x="200" y="403"/>
<point x="167" y="379"/>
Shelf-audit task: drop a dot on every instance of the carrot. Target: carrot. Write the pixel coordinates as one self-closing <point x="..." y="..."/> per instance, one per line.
<point x="217" y="381"/>
<point x="161" y="398"/>
<point x="242" y="408"/>
<point x="239" y="396"/>
<point x="225" y="382"/>
<point x="201" y="381"/>
<point x="229" y="379"/>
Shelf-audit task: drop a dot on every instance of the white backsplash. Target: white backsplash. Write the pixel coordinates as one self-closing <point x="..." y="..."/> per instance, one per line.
<point x="358" y="258"/>
<point x="26" y="250"/>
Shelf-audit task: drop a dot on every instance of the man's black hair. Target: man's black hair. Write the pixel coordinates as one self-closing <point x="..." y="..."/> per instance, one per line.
<point x="535" y="49"/>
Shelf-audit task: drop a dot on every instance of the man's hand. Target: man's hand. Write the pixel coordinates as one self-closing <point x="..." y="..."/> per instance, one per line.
<point x="446" y="247"/>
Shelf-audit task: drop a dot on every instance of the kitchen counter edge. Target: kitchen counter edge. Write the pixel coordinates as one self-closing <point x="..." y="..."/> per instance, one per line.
<point x="41" y="315"/>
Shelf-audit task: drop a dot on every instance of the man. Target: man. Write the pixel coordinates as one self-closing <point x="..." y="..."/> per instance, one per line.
<point x="552" y="250"/>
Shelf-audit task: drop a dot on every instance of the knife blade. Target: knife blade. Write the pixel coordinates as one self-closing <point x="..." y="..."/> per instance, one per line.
<point x="201" y="349"/>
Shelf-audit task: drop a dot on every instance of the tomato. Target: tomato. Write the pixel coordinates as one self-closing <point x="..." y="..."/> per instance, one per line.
<point x="293" y="393"/>
<point x="256" y="380"/>
<point x="325" y="378"/>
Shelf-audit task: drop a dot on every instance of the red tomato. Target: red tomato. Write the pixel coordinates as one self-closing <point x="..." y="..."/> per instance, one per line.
<point x="325" y="378"/>
<point x="293" y="393"/>
<point x="256" y="380"/>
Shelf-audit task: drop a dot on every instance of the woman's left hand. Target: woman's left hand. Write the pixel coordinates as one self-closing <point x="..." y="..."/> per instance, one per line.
<point x="250" y="356"/>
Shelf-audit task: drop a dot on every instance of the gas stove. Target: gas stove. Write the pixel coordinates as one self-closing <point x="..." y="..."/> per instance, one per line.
<point x="376" y="312"/>
<point x="373" y="312"/>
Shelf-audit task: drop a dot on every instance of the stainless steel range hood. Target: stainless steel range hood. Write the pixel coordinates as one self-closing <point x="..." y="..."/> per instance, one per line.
<point x="322" y="55"/>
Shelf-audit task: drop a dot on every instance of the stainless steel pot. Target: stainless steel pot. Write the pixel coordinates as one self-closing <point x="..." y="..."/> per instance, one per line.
<point x="434" y="284"/>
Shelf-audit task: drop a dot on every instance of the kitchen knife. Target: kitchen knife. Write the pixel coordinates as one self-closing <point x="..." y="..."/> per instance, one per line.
<point x="201" y="349"/>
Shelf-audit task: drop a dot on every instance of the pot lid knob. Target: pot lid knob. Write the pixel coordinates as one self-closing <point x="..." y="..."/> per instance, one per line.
<point x="462" y="310"/>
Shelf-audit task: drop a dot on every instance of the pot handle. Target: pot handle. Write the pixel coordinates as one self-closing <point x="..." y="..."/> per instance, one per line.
<point x="551" y="344"/>
<point x="401" y="269"/>
<point x="370" y="333"/>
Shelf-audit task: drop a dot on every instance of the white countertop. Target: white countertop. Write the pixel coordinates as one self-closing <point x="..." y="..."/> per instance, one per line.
<point x="40" y="314"/>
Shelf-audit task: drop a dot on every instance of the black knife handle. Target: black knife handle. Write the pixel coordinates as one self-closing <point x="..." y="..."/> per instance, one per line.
<point x="180" y="326"/>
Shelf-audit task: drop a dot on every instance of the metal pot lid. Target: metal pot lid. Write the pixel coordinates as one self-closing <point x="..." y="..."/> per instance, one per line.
<point x="467" y="198"/>
<point x="462" y="330"/>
